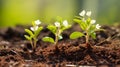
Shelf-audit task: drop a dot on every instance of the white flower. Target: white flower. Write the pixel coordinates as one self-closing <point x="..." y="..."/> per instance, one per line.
<point x="92" y="21"/>
<point x="65" y="23"/>
<point x="37" y="22"/>
<point x="57" y="24"/>
<point x="34" y="28"/>
<point x="82" y="13"/>
<point x="88" y="13"/>
<point x="98" y="26"/>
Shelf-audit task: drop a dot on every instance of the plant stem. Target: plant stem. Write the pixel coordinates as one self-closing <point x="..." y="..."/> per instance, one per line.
<point x="31" y="43"/>
<point x="57" y="35"/>
<point x="87" y="39"/>
<point x="56" y="39"/>
<point x="87" y="36"/>
<point x="35" y="42"/>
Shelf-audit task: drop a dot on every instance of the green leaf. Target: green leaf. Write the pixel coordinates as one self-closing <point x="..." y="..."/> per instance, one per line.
<point x="83" y="25"/>
<point x="100" y="30"/>
<point x="92" y="27"/>
<point x="48" y="39"/>
<point x="29" y="32"/>
<point x="38" y="31"/>
<point x="76" y="35"/>
<point x="64" y="28"/>
<point x="33" y="23"/>
<point x="93" y="35"/>
<point x="78" y="17"/>
<point x="77" y="20"/>
<point x="88" y="21"/>
<point x="27" y="37"/>
<point x="52" y="28"/>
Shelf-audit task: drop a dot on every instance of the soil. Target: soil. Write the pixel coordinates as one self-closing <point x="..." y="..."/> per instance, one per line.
<point x="16" y="51"/>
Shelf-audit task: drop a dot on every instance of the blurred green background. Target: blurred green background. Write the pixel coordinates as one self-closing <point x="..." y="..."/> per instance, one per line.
<point x="14" y="12"/>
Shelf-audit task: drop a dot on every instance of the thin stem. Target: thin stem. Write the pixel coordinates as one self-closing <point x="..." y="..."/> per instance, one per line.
<point x="87" y="36"/>
<point x="57" y="35"/>
<point x="31" y="43"/>
<point x="56" y="39"/>
<point x="87" y="39"/>
<point x="35" y="43"/>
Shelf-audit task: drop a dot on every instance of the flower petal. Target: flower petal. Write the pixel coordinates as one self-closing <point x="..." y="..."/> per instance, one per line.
<point x="65" y="23"/>
<point x="82" y="13"/>
<point x="88" y="13"/>
<point x="37" y="22"/>
<point x="92" y="21"/>
<point x="57" y="24"/>
<point x="31" y="28"/>
<point x="34" y="28"/>
<point x="98" y="26"/>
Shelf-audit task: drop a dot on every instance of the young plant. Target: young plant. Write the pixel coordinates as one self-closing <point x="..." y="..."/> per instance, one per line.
<point x="87" y="25"/>
<point x="56" y="29"/>
<point x="33" y="33"/>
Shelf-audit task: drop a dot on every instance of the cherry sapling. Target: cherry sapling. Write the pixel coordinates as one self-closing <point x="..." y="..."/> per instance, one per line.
<point x="87" y="25"/>
<point x="57" y="30"/>
<point x="33" y="33"/>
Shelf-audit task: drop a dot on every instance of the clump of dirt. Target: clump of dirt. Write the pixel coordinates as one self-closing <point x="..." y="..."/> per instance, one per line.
<point x="16" y="51"/>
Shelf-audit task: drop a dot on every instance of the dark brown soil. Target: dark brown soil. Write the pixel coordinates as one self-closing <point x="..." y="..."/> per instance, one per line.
<point x="16" y="51"/>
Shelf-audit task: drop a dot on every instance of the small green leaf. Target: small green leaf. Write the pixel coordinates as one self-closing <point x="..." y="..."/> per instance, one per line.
<point x="75" y="35"/>
<point x="52" y="28"/>
<point x="100" y="30"/>
<point x="77" y="20"/>
<point x="33" y="23"/>
<point x="83" y="25"/>
<point x="64" y="28"/>
<point x="27" y="37"/>
<point x="93" y="35"/>
<point x="29" y="32"/>
<point x="78" y="17"/>
<point x="92" y="28"/>
<point x="88" y="21"/>
<point x="38" y="31"/>
<point x="48" y="39"/>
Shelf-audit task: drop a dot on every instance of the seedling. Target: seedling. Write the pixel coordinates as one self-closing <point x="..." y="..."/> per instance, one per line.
<point x="57" y="30"/>
<point x="33" y="33"/>
<point x="87" y="25"/>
